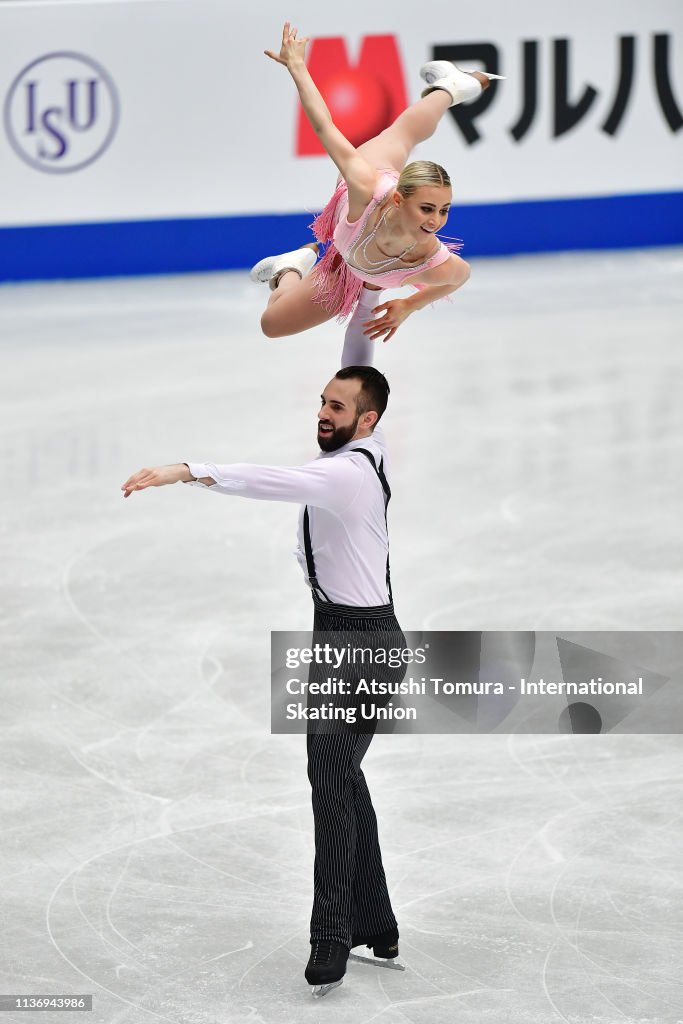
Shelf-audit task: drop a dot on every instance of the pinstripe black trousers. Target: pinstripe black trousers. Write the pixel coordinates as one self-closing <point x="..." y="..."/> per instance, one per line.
<point x="350" y="893"/>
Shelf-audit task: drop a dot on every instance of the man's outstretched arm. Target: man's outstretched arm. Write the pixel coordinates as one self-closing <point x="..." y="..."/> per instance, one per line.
<point x="324" y="483"/>
<point x="160" y="475"/>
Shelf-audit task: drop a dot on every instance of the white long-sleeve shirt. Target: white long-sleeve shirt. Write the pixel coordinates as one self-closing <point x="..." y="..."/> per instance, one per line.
<point x="346" y="514"/>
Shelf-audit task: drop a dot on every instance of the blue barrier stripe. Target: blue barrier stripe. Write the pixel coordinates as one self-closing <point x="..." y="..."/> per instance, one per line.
<point x="233" y="243"/>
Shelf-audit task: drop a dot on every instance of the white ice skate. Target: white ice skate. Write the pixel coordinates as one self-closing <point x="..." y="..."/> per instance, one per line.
<point x="460" y="85"/>
<point x="271" y="268"/>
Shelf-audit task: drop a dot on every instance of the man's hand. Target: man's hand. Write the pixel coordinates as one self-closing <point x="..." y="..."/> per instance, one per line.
<point x="156" y="477"/>
<point x="395" y="312"/>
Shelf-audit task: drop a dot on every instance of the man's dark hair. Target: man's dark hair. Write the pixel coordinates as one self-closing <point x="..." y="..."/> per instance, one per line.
<point x="374" y="393"/>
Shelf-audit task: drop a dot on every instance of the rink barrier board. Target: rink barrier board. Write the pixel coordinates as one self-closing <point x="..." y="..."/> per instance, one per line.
<point x="182" y="245"/>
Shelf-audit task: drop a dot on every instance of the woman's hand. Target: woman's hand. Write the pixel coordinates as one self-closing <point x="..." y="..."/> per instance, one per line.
<point x="291" y="50"/>
<point x="156" y="477"/>
<point x="396" y="311"/>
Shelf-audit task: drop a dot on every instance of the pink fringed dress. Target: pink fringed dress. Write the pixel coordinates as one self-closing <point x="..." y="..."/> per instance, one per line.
<point x="340" y="274"/>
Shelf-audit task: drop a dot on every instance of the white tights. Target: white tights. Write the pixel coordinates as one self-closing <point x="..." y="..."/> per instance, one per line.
<point x="358" y="347"/>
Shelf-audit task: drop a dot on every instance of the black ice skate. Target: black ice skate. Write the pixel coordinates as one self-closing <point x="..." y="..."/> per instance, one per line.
<point x="327" y="965"/>
<point x="384" y="947"/>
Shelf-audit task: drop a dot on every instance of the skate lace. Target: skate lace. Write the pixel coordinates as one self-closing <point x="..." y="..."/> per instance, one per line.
<point x="322" y="952"/>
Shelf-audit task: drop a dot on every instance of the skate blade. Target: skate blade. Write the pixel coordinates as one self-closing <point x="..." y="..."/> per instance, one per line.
<point x="392" y="965"/>
<point x="321" y="990"/>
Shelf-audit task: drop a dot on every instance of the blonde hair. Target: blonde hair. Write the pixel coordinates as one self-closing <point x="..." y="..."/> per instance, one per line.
<point x="421" y="172"/>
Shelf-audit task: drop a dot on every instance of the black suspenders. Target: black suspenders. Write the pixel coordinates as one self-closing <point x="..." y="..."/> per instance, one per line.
<point x="310" y="563"/>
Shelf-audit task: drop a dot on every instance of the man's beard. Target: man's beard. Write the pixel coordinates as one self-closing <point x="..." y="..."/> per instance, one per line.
<point x="335" y="440"/>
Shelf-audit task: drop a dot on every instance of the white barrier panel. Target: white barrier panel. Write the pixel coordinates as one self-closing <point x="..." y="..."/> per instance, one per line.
<point x="143" y="111"/>
<point x="170" y="108"/>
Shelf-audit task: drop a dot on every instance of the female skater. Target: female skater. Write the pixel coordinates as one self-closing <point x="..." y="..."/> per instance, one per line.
<point x="382" y="220"/>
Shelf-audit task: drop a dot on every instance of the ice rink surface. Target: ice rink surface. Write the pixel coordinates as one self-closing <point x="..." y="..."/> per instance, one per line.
<point x="156" y="841"/>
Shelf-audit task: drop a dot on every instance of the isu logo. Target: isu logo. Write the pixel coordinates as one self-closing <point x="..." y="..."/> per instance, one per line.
<point x="61" y="112"/>
<point x="364" y="97"/>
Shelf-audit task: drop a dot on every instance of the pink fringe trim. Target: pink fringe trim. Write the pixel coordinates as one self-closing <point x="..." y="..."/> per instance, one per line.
<point x="324" y="224"/>
<point x="453" y="244"/>
<point x="337" y="289"/>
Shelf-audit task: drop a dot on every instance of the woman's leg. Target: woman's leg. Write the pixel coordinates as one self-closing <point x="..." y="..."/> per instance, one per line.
<point x="359" y="349"/>
<point x="392" y="147"/>
<point x="292" y="307"/>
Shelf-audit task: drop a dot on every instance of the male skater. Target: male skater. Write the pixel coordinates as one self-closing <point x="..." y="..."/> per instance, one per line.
<point x="343" y="550"/>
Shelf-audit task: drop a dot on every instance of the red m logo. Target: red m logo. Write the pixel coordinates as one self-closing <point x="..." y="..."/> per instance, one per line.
<point x="363" y="99"/>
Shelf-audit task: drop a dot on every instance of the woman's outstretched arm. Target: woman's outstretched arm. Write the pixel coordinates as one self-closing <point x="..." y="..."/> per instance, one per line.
<point x="436" y="283"/>
<point x="360" y="176"/>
